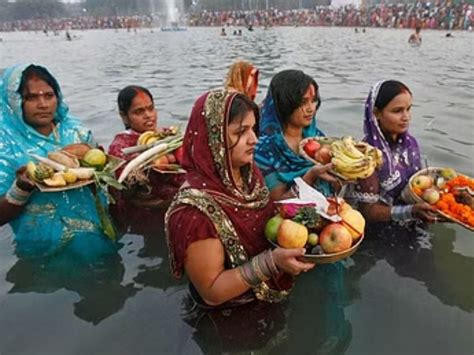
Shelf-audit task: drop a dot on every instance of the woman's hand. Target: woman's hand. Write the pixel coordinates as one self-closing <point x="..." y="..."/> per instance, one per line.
<point x="286" y="260"/>
<point x="425" y="212"/>
<point x="23" y="181"/>
<point x="319" y="172"/>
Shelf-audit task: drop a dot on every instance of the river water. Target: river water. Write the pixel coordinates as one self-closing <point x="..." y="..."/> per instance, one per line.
<point x="401" y="293"/>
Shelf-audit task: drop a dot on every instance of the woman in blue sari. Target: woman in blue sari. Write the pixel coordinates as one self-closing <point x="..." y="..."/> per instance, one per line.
<point x="34" y="120"/>
<point x="289" y="116"/>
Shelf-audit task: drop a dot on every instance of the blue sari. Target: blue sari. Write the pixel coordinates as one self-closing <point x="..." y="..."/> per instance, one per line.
<point x="277" y="161"/>
<point x="53" y="221"/>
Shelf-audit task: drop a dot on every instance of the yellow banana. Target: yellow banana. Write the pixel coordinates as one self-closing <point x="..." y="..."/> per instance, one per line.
<point x="350" y="148"/>
<point x="145" y="136"/>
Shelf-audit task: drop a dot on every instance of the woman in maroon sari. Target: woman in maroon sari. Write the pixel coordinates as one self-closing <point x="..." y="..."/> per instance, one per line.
<point x="154" y="190"/>
<point x="215" y="224"/>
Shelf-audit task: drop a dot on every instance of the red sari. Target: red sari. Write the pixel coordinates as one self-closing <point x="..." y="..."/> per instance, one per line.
<point x="211" y="206"/>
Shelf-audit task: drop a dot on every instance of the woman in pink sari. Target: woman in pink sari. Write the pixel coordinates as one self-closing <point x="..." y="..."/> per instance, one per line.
<point x="216" y="222"/>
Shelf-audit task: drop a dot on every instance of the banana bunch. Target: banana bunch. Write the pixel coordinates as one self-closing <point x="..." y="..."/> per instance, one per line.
<point x="150" y="137"/>
<point x="355" y="160"/>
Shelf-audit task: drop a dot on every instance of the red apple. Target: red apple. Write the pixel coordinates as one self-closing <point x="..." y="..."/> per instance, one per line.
<point x="335" y="238"/>
<point x="171" y="158"/>
<point x="422" y="182"/>
<point x="324" y="155"/>
<point x="179" y="154"/>
<point x="311" y="147"/>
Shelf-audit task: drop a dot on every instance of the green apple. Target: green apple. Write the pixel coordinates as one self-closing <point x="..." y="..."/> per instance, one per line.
<point x="313" y="239"/>
<point x="271" y="228"/>
<point x="448" y="173"/>
<point x="430" y="195"/>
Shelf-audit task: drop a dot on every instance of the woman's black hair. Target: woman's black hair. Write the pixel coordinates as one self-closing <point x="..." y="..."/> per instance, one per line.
<point x="126" y="96"/>
<point x="388" y="90"/>
<point x="287" y="89"/>
<point x="241" y="104"/>
<point x="35" y="71"/>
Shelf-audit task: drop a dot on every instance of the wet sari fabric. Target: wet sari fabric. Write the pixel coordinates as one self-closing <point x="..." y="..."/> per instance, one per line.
<point x="53" y="221"/>
<point x="211" y="206"/>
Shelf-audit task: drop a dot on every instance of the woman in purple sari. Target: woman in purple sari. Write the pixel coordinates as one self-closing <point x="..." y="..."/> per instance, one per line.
<point x="387" y="118"/>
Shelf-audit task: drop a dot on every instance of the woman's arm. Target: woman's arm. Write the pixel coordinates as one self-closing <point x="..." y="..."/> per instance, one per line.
<point x="13" y="202"/>
<point x="204" y="266"/>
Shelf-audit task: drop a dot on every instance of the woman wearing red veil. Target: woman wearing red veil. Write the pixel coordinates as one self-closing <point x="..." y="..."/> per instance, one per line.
<point x="215" y="224"/>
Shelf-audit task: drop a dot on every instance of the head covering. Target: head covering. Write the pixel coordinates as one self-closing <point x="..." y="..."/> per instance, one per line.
<point x="242" y="77"/>
<point x="49" y="221"/>
<point x="25" y="138"/>
<point x="401" y="158"/>
<point x="278" y="162"/>
<point x="209" y="174"/>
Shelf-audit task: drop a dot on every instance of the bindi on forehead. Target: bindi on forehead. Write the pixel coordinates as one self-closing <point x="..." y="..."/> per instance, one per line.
<point x="142" y="95"/>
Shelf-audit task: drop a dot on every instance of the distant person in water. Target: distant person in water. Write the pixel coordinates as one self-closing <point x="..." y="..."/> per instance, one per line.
<point x="449" y="34"/>
<point x="223" y="32"/>
<point x="356" y="30"/>
<point x="68" y="36"/>
<point x="415" y="38"/>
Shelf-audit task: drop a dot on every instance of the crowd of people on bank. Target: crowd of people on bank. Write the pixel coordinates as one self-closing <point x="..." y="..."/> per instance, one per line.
<point x="238" y="159"/>
<point x="440" y="14"/>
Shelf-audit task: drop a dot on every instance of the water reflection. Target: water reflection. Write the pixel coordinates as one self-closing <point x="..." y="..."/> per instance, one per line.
<point x="98" y="284"/>
<point x="415" y="253"/>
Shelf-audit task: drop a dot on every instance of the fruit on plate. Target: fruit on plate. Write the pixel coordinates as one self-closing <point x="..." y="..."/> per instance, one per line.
<point x="355" y="160"/>
<point x="311" y="147"/>
<point x="179" y="154"/>
<point x="271" y="228"/>
<point x="161" y="162"/>
<point x="448" y="173"/>
<point x="57" y="180"/>
<point x="291" y="234"/>
<point x="64" y="158"/>
<point x="148" y="137"/>
<point x="323" y="154"/>
<point x="422" y="182"/>
<point x="95" y="158"/>
<point x="430" y="195"/>
<point x="77" y="149"/>
<point x="354" y="222"/>
<point x="69" y="176"/>
<point x="313" y="239"/>
<point x="39" y="172"/>
<point x="335" y="238"/>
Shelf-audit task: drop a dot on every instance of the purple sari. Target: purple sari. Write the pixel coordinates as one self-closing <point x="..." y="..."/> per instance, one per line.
<point x="401" y="159"/>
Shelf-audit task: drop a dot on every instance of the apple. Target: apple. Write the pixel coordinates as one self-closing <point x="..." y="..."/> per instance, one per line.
<point x="324" y="155"/>
<point x="422" y="182"/>
<point x="313" y="239"/>
<point x="161" y="162"/>
<point x="335" y="238"/>
<point x="448" y="173"/>
<point x="311" y="147"/>
<point x="430" y="195"/>
<point x="171" y="158"/>
<point x="179" y="154"/>
<point x="292" y="235"/>
<point x="271" y="228"/>
<point x="354" y="222"/>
